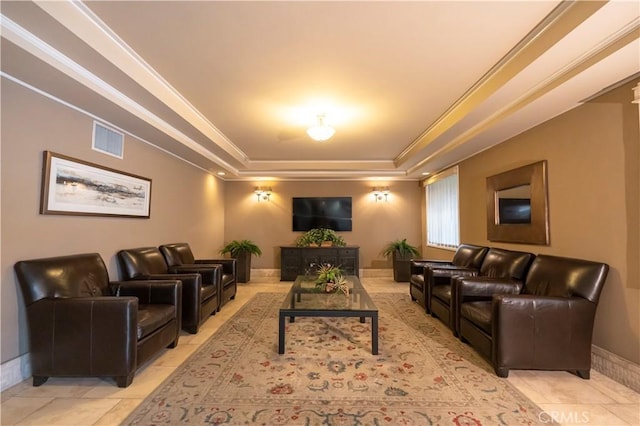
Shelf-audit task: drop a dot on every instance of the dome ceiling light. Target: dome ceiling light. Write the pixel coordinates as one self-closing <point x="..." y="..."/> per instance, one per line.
<point x="321" y="131"/>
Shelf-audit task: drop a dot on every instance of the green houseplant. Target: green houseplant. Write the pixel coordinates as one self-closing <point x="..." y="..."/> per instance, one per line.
<point x="317" y="236"/>
<point x="242" y="250"/>
<point x="331" y="280"/>
<point x="401" y="252"/>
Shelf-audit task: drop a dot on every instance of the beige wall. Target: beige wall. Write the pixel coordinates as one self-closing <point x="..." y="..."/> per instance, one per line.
<point x="374" y="223"/>
<point x="594" y="199"/>
<point x="186" y="203"/>
<point x="594" y="192"/>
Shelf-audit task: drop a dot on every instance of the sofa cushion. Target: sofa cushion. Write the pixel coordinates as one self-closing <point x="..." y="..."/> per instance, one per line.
<point x="469" y="256"/>
<point x="443" y="293"/>
<point x="500" y="263"/>
<point x="152" y="317"/>
<point x="565" y="277"/>
<point x="227" y="280"/>
<point x="207" y="291"/>
<point x="478" y="313"/>
<point x="417" y="280"/>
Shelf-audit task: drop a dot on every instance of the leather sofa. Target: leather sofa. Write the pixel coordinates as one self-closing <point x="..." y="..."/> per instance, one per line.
<point x="545" y="323"/>
<point x="80" y="324"/>
<point x="200" y="284"/>
<point x="497" y="263"/>
<point x="180" y="254"/>
<point x="468" y="257"/>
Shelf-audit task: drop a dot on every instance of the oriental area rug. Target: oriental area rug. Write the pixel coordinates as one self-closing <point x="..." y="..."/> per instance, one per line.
<point x="328" y="376"/>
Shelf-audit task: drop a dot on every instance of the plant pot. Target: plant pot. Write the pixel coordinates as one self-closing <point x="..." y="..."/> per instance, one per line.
<point x="401" y="268"/>
<point x="243" y="265"/>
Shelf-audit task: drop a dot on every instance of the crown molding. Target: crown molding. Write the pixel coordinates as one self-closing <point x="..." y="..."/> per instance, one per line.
<point x="82" y="22"/>
<point x="560" y="22"/>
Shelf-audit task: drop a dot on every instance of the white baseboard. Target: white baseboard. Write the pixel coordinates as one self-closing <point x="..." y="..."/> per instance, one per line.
<point x="15" y="371"/>
<point x="376" y="273"/>
<point x="617" y="368"/>
<point x="265" y="273"/>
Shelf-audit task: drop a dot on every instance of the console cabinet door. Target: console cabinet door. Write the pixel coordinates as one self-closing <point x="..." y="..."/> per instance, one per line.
<point x="290" y="263"/>
<point x="349" y="261"/>
<point x="296" y="261"/>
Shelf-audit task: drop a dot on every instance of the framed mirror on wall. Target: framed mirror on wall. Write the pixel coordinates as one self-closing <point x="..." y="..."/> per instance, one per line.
<point x="517" y="205"/>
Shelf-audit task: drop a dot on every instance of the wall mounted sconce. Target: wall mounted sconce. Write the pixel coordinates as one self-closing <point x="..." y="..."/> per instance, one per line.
<point x="263" y="193"/>
<point x="381" y="193"/>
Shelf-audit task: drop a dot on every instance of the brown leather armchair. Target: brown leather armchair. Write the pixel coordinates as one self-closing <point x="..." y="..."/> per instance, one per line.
<point x="545" y="324"/>
<point x="200" y="284"/>
<point x="468" y="257"/>
<point x="498" y="263"/>
<point x="80" y="324"/>
<point x="180" y="254"/>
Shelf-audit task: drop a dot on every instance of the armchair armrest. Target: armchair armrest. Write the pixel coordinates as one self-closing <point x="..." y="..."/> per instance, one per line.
<point x="71" y="335"/>
<point x="211" y="273"/>
<point x="542" y="331"/>
<point x="449" y="271"/>
<point x="150" y="292"/>
<point x="191" y="284"/>
<point x="228" y="265"/>
<point x="474" y="287"/>
<point x="431" y="261"/>
<point x="418" y="265"/>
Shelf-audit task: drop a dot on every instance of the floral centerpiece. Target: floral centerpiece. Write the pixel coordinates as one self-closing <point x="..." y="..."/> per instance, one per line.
<point x="331" y="280"/>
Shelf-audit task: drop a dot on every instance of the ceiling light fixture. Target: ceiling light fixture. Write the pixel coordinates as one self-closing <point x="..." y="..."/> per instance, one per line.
<point x="321" y="131"/>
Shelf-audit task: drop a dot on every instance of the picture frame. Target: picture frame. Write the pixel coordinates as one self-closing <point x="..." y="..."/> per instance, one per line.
<point x="518" y="205"/>
<point x="75" y="187"/>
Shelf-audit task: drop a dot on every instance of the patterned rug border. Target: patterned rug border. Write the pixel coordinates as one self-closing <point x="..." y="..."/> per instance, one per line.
<point x="461" y="412"/>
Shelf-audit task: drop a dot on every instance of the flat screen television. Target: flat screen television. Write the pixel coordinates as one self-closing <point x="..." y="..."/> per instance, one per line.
<point x="321" y="212"/>
<point x="514" y="210"/>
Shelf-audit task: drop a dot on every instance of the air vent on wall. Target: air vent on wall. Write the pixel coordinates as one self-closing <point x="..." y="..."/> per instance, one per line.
<point x="107" y="140"/>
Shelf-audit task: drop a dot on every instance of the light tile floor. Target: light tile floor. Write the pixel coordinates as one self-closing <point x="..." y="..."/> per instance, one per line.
<point x="92" y="401"/>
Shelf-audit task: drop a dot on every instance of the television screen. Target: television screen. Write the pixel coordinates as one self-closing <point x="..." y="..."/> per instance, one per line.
<point x="322" y="212"/>
<point x="514" y="210"/>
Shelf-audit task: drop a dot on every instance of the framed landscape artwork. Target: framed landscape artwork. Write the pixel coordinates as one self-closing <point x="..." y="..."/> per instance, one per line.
<point x="75" y="187"/>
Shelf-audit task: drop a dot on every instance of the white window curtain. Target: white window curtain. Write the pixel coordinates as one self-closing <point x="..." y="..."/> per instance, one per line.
<point x="443" y="218"/>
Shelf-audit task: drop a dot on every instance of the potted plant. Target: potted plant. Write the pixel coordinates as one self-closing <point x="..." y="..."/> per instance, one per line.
<point x="317" y="237"/>
<point x="242" y="250"/>
<point x="331" y="280"/>
<point x="401" y="253"/>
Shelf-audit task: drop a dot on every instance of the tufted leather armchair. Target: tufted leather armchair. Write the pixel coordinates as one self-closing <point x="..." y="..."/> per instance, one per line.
<point x="468" y="258"/>
<point x="497" y="264"/>
<point x="545" y="323"/>
<point x="179" y="254"/>
<point x="200" y="283"/>
<point x="80" y="324"/>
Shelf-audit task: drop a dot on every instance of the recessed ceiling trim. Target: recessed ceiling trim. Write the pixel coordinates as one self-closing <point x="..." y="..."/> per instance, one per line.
<point x="325" y="165"/>
<point x="324" y="174"/>
<point x="95" y="117"/>
<point x="82" y="22"/>
<point x="43" y="51"/>
<point x="560" y="22"/>
<point x="612" y="44"/>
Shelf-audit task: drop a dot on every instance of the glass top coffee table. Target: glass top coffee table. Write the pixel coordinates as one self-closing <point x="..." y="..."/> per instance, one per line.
<point x="304" y="300"/>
